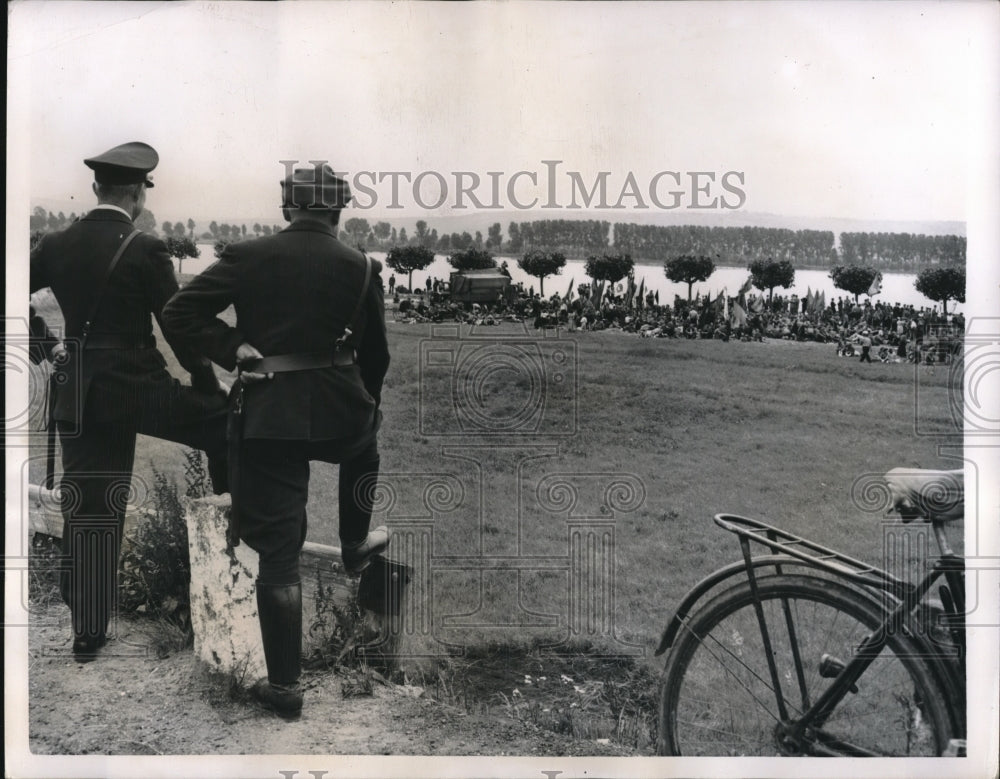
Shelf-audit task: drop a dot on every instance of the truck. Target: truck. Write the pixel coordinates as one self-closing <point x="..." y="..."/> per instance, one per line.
<point x="479" y="286"/>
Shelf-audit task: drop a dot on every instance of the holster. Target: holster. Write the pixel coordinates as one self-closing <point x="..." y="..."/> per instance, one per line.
<point x="50" y="436"/>
<point x="234" y="441"/>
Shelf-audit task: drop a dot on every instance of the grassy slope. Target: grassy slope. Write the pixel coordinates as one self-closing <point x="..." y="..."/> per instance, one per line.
<point x="778" y="431"/>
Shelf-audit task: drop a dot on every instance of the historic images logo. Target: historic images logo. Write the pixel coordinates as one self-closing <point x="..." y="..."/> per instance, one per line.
<point x="549" y="188"/>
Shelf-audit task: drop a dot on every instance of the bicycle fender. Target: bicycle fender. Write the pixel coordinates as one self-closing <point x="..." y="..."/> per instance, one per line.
<point x="702" y="588"/>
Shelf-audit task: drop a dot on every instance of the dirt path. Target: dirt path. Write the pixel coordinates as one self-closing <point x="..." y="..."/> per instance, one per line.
<point x="130" y="702"/>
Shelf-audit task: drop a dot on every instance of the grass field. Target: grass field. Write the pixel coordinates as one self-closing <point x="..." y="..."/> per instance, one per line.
<point x="779" y="431"/>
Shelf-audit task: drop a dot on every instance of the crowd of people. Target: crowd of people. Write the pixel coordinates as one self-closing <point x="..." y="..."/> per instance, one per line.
<point x="892" y="332"/>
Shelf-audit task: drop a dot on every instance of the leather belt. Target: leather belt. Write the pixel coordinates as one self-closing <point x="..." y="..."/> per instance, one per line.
<point x="118" y="341"/>
<point x="302" y="361"/>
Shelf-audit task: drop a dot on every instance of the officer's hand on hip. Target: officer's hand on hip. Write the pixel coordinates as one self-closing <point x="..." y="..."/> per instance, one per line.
<point x="248" y="355"/>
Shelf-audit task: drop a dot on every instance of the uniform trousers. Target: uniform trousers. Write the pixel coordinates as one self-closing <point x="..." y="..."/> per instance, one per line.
<point x="273" y="489"/>
<point x="96" y="486"/>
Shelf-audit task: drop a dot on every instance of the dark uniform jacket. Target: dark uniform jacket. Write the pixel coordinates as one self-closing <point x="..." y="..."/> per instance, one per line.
<point x="293" y="292"/>
<point x="111" y="384"/>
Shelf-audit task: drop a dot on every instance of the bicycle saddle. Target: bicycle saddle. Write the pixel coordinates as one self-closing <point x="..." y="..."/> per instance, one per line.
<point x="930" y="494"/>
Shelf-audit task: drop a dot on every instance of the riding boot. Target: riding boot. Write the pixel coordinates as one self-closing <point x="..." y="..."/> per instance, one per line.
<point x="279" y="607"/>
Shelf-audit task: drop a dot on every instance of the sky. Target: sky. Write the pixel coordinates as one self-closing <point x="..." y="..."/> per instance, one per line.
<point x="863" y="110"/>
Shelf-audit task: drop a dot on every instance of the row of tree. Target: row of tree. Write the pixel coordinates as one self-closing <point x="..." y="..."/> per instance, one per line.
<point x="901" y="251"/>
<point x="42" y="221"/>
<point x="730" y="245"/>
<point x="938" y="284"/>
<point x="727" y="245"/>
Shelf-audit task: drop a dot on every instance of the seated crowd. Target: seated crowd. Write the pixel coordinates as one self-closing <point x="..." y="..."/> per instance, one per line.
<point x="897" y="332"/>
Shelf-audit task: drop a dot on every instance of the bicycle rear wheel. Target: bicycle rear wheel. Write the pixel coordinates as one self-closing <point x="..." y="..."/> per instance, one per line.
<point x="717" y="696"/>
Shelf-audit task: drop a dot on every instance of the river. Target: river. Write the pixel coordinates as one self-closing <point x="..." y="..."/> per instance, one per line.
<point x="896" y="287"/>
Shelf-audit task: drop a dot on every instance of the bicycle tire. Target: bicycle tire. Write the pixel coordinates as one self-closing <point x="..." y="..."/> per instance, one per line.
<point x="717" y="697"/>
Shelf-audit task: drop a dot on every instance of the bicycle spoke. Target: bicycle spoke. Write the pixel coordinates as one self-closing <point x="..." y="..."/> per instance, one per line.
<point x="748" y="669"/>
<point x="718" y="697"/>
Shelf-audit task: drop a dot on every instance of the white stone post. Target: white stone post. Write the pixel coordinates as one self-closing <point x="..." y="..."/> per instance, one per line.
<point x="223" y="593"/>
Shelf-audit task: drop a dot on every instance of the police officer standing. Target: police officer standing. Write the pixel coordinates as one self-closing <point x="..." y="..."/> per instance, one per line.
<point x="310" y="342"/>
<point x="108" y="277"/>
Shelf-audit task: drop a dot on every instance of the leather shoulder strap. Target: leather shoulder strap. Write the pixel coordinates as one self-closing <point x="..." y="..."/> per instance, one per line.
<point x="353" y="321"/>
<point x="104" y="282"/>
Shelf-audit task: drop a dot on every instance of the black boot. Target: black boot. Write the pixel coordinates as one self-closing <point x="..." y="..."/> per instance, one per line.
<point x="357" y="486"/>
<point x="357" y="557"/>
<point x="279" y="608"/>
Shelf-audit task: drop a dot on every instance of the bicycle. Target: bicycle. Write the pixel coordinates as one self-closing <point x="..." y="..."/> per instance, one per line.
<point x="804" y="650"/>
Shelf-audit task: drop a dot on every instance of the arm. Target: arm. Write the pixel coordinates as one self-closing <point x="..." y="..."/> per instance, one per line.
<point x="42" y="343"/>
<point x="190" y="316"/>
<point x="161" y="286"/>
<point x="374" y="349"/>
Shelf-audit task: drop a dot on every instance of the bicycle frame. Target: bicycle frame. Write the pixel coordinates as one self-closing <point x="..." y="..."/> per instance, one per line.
<point x="804" y="733"/>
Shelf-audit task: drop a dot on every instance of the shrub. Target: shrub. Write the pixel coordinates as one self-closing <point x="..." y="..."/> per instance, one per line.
<point x="155" y="573"/>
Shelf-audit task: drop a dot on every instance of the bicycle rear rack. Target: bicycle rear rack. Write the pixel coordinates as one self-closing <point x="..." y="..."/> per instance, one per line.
<point x="784" y="543"/>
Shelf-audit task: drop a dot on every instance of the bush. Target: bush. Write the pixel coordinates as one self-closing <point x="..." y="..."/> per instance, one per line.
<point x="335" y="630"/>
<point x="155" y="574"/>
<point x="44" y="562"/>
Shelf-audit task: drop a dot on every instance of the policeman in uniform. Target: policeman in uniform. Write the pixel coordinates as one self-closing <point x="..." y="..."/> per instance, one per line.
<point x="311" y="345"/>
<point x="113" y="382"/>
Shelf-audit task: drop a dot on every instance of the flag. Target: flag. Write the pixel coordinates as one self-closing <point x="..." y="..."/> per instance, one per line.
<point x="598" y="292"/>
<point x="738" y="316"/>
<point x="719" y="303"/>
<point x="808" y="307"/>
<point x="747" y="285"/>
<point x="569" y="291"/>
<point x="876" y="286"/>
<point x="757" y="304"/>
<point x="639" y="302"/>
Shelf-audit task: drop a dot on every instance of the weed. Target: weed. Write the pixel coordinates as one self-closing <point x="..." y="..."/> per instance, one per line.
<point x="335" y="629"/>
<point x="155" y="573"/>
<point x="44" y="561"/>
<point x="572" y="690"/>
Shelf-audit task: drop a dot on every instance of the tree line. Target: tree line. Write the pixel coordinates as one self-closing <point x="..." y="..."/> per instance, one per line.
<point x="940" y="284"/>
<point x="726" y="245"/>
<point x="901" y="251"/>
<point x="582" y="238"/>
